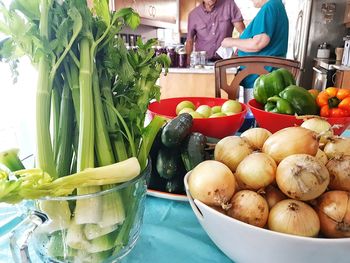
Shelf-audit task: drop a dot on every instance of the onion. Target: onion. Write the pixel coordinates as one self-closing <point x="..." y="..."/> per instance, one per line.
<point x="337" y="146"/>
<point x="231" y="151"/>
<point x="212" y="183"/>
<point x="334" y="213"/>
<point x="302" y="177"/>
<point x="249" y="207"/>
<point x="321" y="156"/>
<point x="256" y="137"/>
<point x="339" y="171"/>
<point x="320" y="126"/>
<point x="294" y="217"/>
<point x="291" y="140"/>
<point x="256" y="171"/>
<point x="273" y="195"/>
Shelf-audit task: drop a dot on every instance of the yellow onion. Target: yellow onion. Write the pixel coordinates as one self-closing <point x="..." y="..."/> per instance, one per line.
<point x="273" y="195"/>
<point x="334" y="213"/>
<point x="291" y="140"/>
<point x="256" y="171"/>
<point x="256" y="137"/>
<point x="302" y="177"/>
<point x="294" y="217"/>
<point x="321" y="156"/>
<point x="321" y="127"/>
<point x="212" y="183"/>
<point x="249" y="207"/>
<point x="337" y="146"/>
<point x="231" y="151"/>
<point x="339" y="171"/>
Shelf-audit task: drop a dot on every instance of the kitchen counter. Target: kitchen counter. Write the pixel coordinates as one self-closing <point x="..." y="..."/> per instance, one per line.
<point x="191" y="82"/>
<point x="205" y="70"/>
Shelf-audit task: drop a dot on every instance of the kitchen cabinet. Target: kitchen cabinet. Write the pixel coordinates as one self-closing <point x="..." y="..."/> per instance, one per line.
<point x="347" y="14"/>
<point x="185" y="7"/>
<point x="342" y="79"/>
<point x="152" y="12"/>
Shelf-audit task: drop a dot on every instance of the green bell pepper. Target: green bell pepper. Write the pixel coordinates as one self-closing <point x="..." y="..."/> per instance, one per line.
<point x="300" y="99"/>
<point x="287" y="76"/>
<point x="278" y="105"/>
<point x="272" y="84"/>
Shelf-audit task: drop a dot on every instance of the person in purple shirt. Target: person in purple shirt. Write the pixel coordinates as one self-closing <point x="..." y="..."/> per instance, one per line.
<point x="211" y="22"/>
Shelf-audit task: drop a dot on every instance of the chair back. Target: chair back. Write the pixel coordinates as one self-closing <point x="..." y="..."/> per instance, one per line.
<point x="253" y="65"/>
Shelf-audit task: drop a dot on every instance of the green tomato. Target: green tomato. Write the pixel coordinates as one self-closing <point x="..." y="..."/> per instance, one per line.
<point x="184" y="104"/>
<point x="215" y="109"/>
<point x="204" y="110"/>
<point x="231" y="106"/>
<point x="218" y="114"/>
<point x="196" y="115"/>
<point x="185" y="110"/>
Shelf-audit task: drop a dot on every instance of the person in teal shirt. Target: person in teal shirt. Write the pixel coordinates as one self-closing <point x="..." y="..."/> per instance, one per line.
<point x="266" y="35"/>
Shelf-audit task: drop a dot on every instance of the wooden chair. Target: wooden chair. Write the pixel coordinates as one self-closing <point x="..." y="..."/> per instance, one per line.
<point x="253" y="65"/>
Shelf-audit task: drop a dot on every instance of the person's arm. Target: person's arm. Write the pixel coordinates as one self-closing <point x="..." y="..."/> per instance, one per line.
<point x="254" y="44"/>
<point x="189" y="49"/>
<point x="239" y="26"/>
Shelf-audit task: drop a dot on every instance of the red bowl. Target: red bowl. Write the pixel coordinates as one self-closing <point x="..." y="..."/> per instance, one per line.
<point x="218" y="127"/>
<point x="275" y="121"/>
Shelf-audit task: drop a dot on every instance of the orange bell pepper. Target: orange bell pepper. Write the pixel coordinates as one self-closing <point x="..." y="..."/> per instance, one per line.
<point x="334" y="102"/>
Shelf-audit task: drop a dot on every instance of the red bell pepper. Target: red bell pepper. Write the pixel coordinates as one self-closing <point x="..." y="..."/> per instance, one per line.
<point x="334" y="102"/>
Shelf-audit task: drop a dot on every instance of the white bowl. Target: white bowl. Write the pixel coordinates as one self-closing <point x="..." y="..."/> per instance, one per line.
<point x="242" y="242"/>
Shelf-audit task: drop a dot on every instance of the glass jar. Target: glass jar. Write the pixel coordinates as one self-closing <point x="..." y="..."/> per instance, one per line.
<point x="203" y="58"/>
<point x="194" y="59"/>
<point x="182" y="62"/>
<point x="60" y="232"/>
<point x="173" y="56"/>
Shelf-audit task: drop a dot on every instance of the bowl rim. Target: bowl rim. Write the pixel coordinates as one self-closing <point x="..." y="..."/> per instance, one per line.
<point x="259" y="229"/>
<point x="244" y="107"/>
<point x="293" y="116"/>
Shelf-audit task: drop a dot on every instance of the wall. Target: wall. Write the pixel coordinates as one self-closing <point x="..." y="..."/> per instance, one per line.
<point x="320" y="32"/>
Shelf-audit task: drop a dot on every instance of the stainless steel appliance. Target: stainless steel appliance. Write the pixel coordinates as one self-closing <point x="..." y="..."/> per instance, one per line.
<point x="323" y="74"/>
<point x="346" y="53"/>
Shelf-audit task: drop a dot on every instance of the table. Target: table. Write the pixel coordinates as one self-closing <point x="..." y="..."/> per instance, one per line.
<point x="170" y="233"/>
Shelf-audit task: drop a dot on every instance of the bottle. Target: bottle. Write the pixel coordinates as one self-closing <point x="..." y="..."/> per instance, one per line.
<point x="194" y="59"/>
<point x="182" y="61"/>
<point x="172" y="55"/>
<point x="203" y="58"/>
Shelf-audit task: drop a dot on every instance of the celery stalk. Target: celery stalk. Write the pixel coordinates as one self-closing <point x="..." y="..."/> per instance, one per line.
<point x="10" y="159"/>
<point x="75" y="237"/>
<point x="92" y="231"/>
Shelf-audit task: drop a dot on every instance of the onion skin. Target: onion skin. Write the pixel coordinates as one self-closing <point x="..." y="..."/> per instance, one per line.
<point x="294" y="217"/>
<point x="291" y="140"/>
<point x="256" y="137"/>
<point x="212" y="183"/>
<point x="322" y="156"/>
<point x="337" y="146"/>
<point x="231" y="150"/>
<point x="321" y="127"/>
<point x="249" y="207"/>
<point x="273" y="195"/>
<point x="302" y="177"/>
<point x="256" y="171"/>
<point x="339" y="171"/>
<point x="334" y="213"/>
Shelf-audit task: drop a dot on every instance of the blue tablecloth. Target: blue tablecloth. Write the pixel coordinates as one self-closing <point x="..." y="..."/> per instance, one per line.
<point x="170" y="233"/>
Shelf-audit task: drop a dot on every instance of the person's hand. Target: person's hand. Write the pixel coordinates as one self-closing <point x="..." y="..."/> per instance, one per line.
<point x="227" y="42"/>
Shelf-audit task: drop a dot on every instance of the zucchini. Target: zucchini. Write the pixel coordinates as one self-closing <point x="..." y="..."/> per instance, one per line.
<point x="193" y="150"/>
<point x="176" y="130"/>
<point x="168" y="163"/>
<point x="175" y="185"/>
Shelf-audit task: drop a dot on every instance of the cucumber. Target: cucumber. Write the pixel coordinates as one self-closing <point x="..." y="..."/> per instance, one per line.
<point x="176" y="130"/>
<point x="193" y="150"/>
<point x="168" y="163"/>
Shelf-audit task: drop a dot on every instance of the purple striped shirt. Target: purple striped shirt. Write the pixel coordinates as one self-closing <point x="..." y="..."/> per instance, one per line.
<point x="208" y="29"/>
